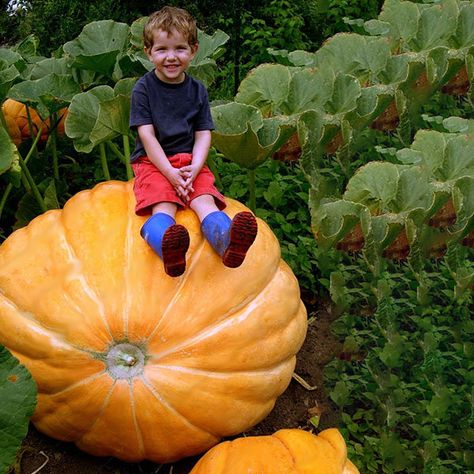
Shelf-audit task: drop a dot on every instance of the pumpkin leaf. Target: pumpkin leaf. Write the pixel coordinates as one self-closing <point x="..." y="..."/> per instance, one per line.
<point x="8" y="151"/>
<point x="47" y="95"/>
<point x="436" y="26"/>
<point x="112" y="120"/>
<point x="83" y="114"/>
<point x="464" y="36"/>
<point x="402" y="19"/>
<point x="8" y="71"/>
<point x="49" y="66"/>
<point x="98" y="46"/>
<point x="18" y="395"/>
<point x="209" y="46"/>
<point x="245" y="137"/>
<point x="266" y="87"/>
<point x="136" y="32"/>
<point x="351" y="53"/>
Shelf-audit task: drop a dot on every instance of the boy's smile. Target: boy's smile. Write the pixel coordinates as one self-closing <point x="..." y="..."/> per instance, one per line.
<point x="171" y="55"/>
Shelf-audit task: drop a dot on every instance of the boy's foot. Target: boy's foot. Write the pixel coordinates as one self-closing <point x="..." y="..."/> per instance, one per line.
<point x="174" y="246"/>
<point x="243" y="231"/>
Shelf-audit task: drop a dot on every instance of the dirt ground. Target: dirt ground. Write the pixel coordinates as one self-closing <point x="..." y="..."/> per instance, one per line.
<point x="293" y="409"/>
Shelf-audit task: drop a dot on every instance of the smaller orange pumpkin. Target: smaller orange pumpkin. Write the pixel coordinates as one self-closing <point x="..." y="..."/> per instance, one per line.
<point x="290" y="451"/>
<point x="16" y="117"/>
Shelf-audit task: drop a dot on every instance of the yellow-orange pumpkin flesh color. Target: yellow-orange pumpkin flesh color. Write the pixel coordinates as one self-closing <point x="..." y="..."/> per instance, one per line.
<point x="289" y="451"/>
<point x="130" y="362"/>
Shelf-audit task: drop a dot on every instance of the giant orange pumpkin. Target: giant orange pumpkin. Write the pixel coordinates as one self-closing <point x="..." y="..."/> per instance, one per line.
<point x="133" y="363"/>
<point x="290" y="451"/>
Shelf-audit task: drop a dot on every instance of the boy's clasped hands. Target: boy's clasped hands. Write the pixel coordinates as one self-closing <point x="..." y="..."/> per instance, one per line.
<point x="182" y="180"/>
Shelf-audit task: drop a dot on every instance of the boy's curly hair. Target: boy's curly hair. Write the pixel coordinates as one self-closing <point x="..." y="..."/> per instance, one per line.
<point x="169" y="19"/>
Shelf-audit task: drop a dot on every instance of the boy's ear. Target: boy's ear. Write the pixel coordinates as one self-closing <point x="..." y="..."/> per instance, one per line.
<point x="194" y="48"/>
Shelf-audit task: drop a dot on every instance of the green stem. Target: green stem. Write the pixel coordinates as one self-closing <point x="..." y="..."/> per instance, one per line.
<point x="252" y="197"/>
<point x="54" y="149"/>
<point x="126" y="149"/>
<point x="30" y="127"/>
<point x="28" y="175"/>
<point x="3" y="120"/>
<point x="103" y="160"/>
<point x="6" y="193"/>
<point x="212" y="166"/>
<point x="113" y="147"/>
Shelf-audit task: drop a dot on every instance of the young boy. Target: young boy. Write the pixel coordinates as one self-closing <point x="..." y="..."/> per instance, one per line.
<point x="171" y="113"/>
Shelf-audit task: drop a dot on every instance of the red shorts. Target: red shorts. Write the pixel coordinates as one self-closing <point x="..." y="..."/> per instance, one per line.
<point x="151" y="187"/>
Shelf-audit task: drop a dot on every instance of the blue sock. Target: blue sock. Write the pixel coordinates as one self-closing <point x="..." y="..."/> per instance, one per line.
<point x="153" y="230"/>
<point x="215" y="227"/>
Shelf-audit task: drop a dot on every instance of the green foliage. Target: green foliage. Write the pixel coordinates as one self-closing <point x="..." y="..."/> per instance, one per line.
<point x="18" y="395"/>
<point x="55" y="22"/>
<point x="282" y="196"/>
<point x="275" y="24"/>
<point x="403" y="386"/>
<point x="325" y="18"/>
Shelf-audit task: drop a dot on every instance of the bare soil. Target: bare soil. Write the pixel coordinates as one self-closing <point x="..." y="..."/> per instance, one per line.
<point x="293" y="409"/>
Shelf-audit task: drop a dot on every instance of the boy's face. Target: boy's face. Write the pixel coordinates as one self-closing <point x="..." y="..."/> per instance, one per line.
<point x="171" y="55"/>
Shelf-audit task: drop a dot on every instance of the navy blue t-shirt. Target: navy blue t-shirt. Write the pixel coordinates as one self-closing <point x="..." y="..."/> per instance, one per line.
<point x="175" y="110"/>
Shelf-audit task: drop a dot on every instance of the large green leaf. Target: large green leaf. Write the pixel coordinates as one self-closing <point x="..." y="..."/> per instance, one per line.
<point x="403" y="18"/>
<point x="8" y="151"/>
<point x="459" y="124"/>
<point x="437" y="24"/>
<point x="18" y="396"/>
<point x="8" y="70"/>
<point x="464" y="36"/>
<point x="374" y="185"/>
<point x="333" y="220"/>
<point x="28" y="48"/>
<point x="293" y="58"/>
<point x="413" y="190"/>
<point x="136" y="32"/>
<point x="444" y="157"/>
<point x="309" y="88"/>
<point x="463" y="200"/>
<point x="47" y="66"/>
<point x="345" y="95"/>
<point x="459" y="160"/>
<point x="244" y="136"/>
<point x="83" y="114"/>
<point x="372" y="102"/>
<point x="210" y="47"/>
<point x="112" y="120"/>
<point x="98" y="46"/>
<point x="265" y="87"/>
<point x="48" y="94"/>
<point x="427" y="150"/>
<point x="355" y="54"/>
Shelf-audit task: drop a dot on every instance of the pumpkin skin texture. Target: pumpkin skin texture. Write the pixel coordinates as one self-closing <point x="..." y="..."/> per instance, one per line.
<point x="130" y="362"/>
<point x="290" y="451"/>
<point x="16" y="117"/>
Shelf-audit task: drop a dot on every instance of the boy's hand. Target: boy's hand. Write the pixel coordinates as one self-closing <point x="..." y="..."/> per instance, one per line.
<point x="174" y="176"/>
<point x="189" y="174"/>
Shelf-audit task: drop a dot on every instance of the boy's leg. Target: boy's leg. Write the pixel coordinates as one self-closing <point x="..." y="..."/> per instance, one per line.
<point x="231" y="239"/>
<point x="169" y="240"/>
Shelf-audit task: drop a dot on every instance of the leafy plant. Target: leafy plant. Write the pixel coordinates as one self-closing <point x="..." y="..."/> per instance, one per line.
<point x="403" y="386"/>
<point x="18" y="395"/>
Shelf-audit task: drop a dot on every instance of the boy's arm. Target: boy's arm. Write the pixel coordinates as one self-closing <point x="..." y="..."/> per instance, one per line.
<point x="157" y="156"/>
<point x="202" y="143"/>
